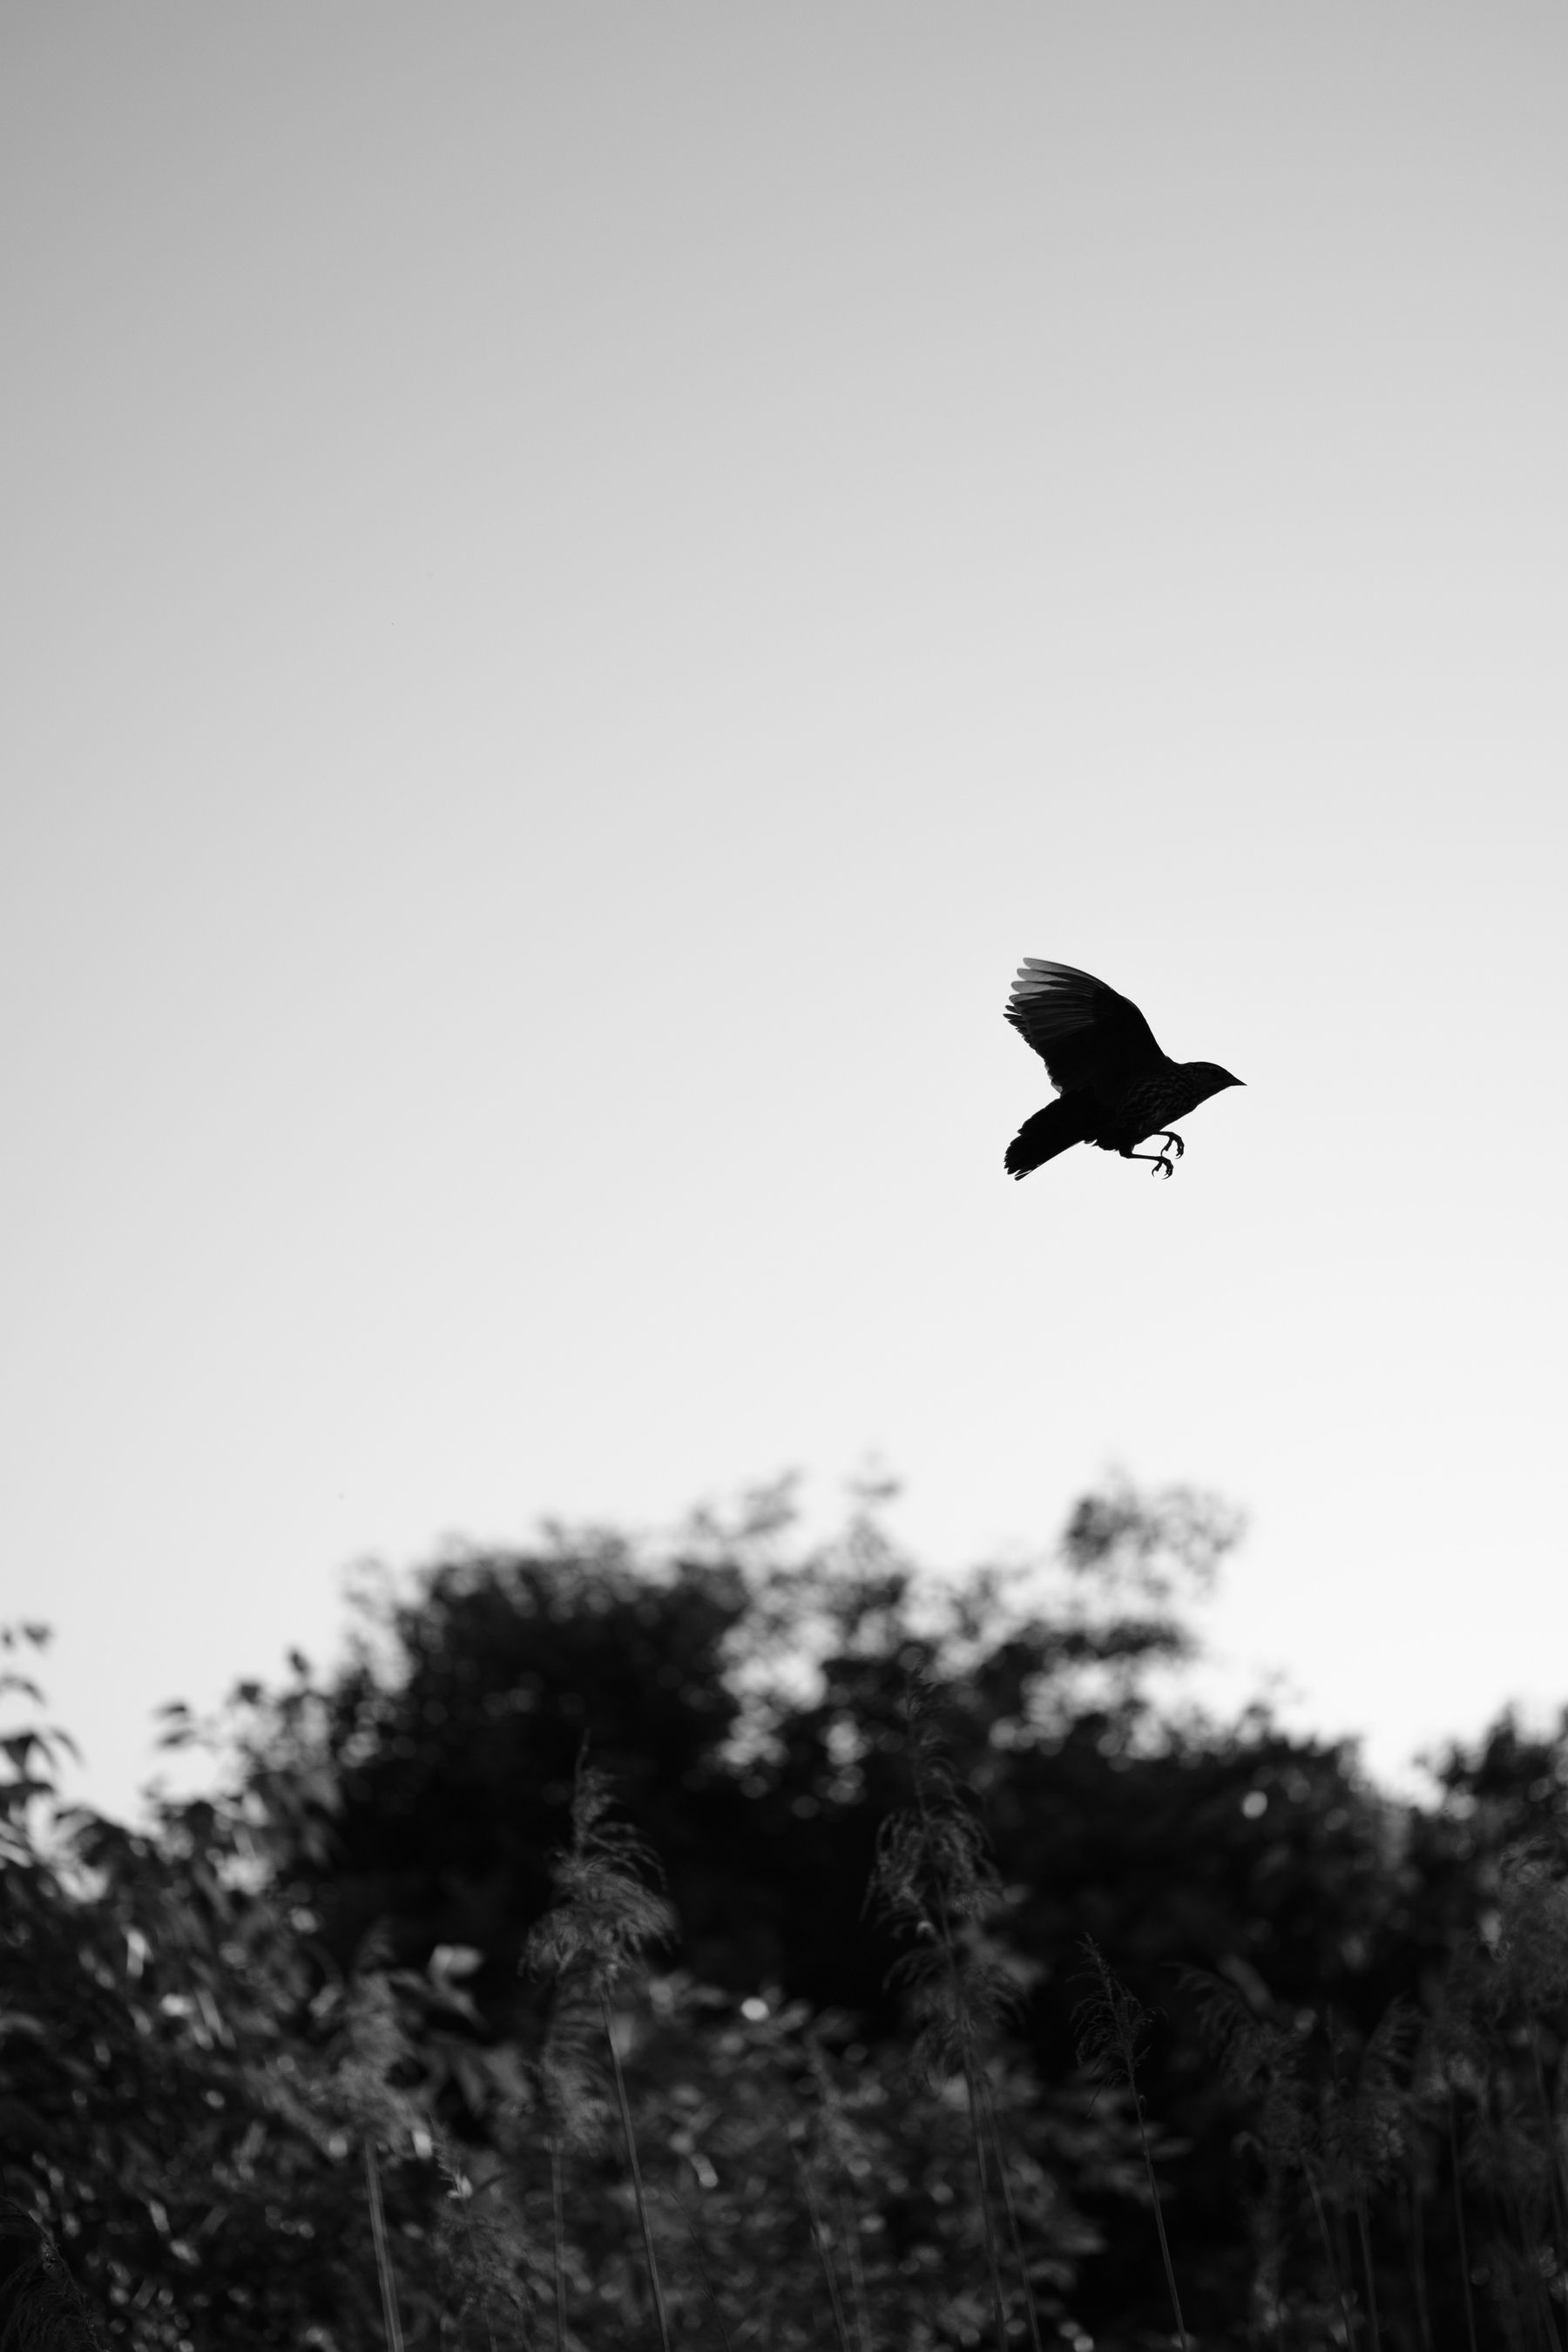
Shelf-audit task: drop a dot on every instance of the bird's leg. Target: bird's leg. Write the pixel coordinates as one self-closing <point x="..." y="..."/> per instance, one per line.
<point x="1166" y="1136"/>
<point x="1162" y="1160"/>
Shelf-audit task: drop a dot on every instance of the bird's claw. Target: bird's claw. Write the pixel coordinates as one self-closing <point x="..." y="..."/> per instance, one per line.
<point x="1176" y="1142"/>
<point x="1163" y="1167"/>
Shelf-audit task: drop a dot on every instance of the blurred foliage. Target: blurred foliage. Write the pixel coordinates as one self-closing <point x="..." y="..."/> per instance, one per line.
<point x="321" y="1991"/>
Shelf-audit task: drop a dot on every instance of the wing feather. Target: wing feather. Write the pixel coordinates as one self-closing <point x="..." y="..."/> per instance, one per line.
<point x="1086" y="1033"/>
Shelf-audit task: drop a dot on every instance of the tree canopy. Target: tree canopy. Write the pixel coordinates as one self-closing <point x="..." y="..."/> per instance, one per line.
<point x="336" y="2033"/>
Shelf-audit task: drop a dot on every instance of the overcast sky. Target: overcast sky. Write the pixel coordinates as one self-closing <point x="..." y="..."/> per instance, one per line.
<point x="580" y="585"/>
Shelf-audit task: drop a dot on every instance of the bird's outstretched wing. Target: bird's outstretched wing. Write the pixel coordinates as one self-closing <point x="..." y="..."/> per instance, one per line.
<point x="1085" y="1033"/>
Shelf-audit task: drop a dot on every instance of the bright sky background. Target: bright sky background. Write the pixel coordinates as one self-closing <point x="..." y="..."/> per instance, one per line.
<point x="580" y="583"/>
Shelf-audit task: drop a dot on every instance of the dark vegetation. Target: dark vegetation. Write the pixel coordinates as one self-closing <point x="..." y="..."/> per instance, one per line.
<point x="729" y="1946"/>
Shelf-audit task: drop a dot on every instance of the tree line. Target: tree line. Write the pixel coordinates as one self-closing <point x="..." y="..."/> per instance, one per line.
<point x="732" y="1940"/>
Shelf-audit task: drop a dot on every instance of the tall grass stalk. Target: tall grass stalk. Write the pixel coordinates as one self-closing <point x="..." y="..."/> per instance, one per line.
<point x="574" y="2110"/>
<point x="558" y="2243"/>
<point x="605" y="1917"/>
<point x="1343" y="2155"/>
<point x="930" y="1873"/>
<point x="1459" y="2220"/>
<point x="1261" y="2050"/>
<point x="1551" y="2128"/>
<point x="637" y="2190"/>
<point x="1336" y="2279"/>
<point x="1416" y="2242"/>
<point x="819" y="2235"/>
<point x="1364" y="2226"/>
<point x="464" y="2191"/>
<point x="1455" y="2054"/>
<point x="994" y="2127"/>
<point x="1111" y="2022"/>
<point x="849" y="2232"/>
<point x="703" y="2272"/>
<point x="394" y="2324"/>
<point x="838" y="2139"/>
<point x="1504" y="2138"/>
<point x="1532" y="1947"/>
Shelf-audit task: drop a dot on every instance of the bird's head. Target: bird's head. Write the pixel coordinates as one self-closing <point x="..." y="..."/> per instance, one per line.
<point x="1208" y="1078"/>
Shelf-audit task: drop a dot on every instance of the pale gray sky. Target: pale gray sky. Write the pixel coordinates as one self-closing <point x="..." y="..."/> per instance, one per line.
<point x="580" y="585"/>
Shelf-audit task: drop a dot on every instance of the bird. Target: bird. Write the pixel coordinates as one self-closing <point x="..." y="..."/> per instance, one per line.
<point x="1115" y="1087"/>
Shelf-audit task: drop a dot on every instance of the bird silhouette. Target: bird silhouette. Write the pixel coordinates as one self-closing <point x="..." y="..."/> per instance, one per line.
<point x="1115" y="1087"/>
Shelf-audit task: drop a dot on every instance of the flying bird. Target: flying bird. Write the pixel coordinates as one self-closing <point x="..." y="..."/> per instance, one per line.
<point x="1115" y="1087"/>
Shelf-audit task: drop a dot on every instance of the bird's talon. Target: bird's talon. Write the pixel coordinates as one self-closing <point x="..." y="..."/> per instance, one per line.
<point x="1163" y="1167"/>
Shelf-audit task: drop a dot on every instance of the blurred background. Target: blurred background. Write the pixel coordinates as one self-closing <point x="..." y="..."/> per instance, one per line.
<point x="579" y="586"/>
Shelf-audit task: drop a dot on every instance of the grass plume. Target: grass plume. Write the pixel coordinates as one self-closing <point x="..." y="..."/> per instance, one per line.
<point x="605" y="1917"/>
<point x="933" y="1882"/>
<point x="1112" y="2023"/>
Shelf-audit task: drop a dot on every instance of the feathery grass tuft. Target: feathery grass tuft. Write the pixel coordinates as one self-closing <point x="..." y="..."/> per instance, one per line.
<point x="933" y="1881"/>
<point x="1111" y="2023"/>
<point x="606" y="1916"/>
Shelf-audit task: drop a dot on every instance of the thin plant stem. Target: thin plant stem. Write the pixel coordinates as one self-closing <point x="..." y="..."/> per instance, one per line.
<point x="383" y="2253"/>
<point x="998" y="2300"/>
<point x="845" y="2198"/>
<point x="1329" y="2252"/>
<point x="966" y="2033"/>
<point x="1553" y="2142"/>
<point x="1417" y="2244"/>
<point x="558" y="2244"/>
<point x="849" y="2232"/>
<point x="1459" y="2223"/>
<point x="1343" y="2247"/>
<point x="466" y="2199"/>
<point x="1159" y="2218"/>
<point x="1364" y="2227"/>
<point x="660" y="2313"/>
<point x="1268" y="2276"/>
<point x="1107" y="2044"/>
<point x="679" y="2204"/>
<point x="1341" y="2160"/>
<point x="818" y="2233"/>
<point x="605" y="1914"/>
<point x="994" y="2123"/>
<point x="1512" y="2200"/>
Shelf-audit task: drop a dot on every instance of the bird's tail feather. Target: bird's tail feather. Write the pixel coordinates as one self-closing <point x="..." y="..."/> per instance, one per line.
<point x="1056" y="1128"/>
